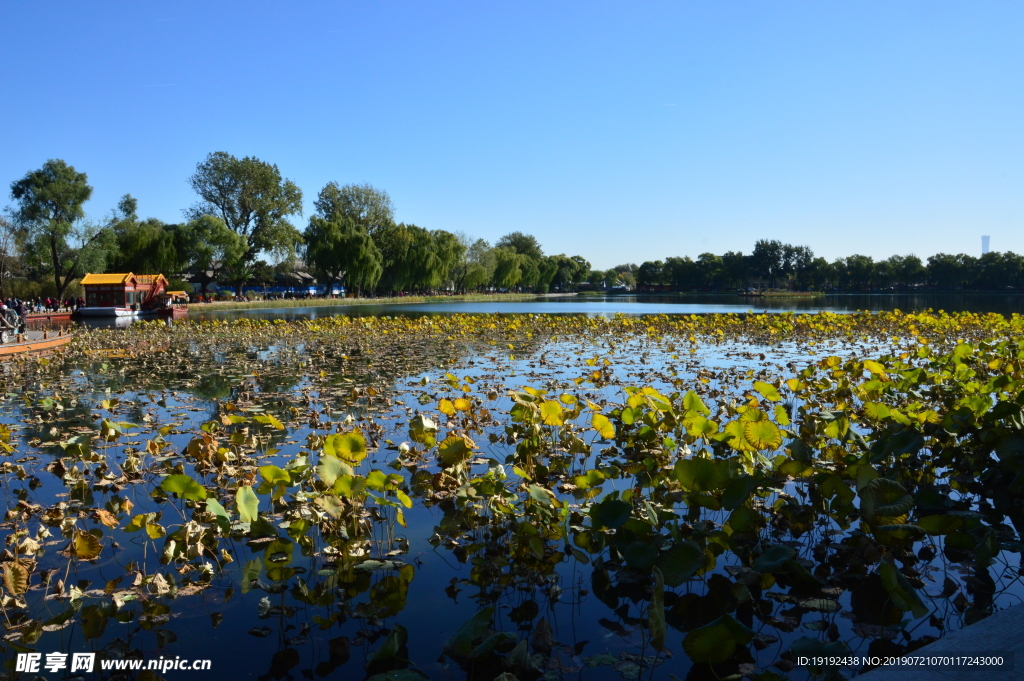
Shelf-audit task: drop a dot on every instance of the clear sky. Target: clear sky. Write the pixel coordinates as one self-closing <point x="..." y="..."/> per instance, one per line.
<point x="621" y="131"/>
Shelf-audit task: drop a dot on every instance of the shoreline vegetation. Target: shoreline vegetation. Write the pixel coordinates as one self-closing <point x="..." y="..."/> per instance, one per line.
<point x="782" y="294"/>
<point x="353" y="244"/>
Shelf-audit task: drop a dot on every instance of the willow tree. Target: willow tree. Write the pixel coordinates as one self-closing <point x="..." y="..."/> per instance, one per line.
<point x="507" y="267"/>
<point x="50" y="214"/>
<point x="337" y="249"/>
<point x="394" y="242"/>
<point x="422" y="260"/>
<point x="480" y="265"/>
<point x="148" y="246"/>
<point x="450" y="253"/>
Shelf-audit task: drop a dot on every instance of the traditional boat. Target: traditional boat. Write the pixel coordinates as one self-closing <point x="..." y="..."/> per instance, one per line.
<point x="128" y="295"/>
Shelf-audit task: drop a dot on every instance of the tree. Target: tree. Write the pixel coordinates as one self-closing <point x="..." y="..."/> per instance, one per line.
<point x="367" y="206"/>
<point x="8" y="238"/>
<point x="252" y="200"/>
<point x="480" y="264"/>
<point x="422" y="261"/>
<point x="564" y="270"/>
<point x="50" y="212"/>
<point x="681" y="273"/>
<point x="627" y="273"/>
<point x="767" y="260"/>
<point x="523" y="244"/>
<point x="944" y="270"/>
<point x="531" y="272"/>
<point x="545" y="273"/>
<point x="798" y="264"/>
<point x="736" y="269"/>
<point x="651" y="274"/>
<point x="710" y="268"/>
<point x="147" y="246"/>
<point x="582" y="268"/>
<point x="450" y="252"/>
<point x="211" y="249"/>
<point x="859" y="271"/>
<point x="820" y="274"/>
<point x="394" y="242"/>
<point x="264" y="273"/>
<point x="338" y="249"/>
<point x="507" y="268"/>
<point x="910" y="271"/>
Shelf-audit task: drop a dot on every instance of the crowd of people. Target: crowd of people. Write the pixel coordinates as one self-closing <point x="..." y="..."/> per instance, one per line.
<point x="43" y="305"/>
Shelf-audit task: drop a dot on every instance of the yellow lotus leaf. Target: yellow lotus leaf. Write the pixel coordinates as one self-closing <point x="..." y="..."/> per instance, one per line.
<point x="603" y="426"/>
<point x="762" y="434"/>
<point x="551" y="412"/>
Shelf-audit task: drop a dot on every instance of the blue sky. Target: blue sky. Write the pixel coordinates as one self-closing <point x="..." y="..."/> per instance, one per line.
<point x="622" y="131"/>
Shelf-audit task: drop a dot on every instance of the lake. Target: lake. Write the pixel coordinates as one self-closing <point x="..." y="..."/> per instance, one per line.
<point x="527" y="530"/>
<point x="655" y="304"/>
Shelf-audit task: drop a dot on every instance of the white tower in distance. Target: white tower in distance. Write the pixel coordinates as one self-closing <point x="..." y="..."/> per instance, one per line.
<point x="984" y="244"/>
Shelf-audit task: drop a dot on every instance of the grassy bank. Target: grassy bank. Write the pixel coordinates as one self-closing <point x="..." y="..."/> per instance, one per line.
<point x="324" y="302"/>
<point x="783" y="294"/>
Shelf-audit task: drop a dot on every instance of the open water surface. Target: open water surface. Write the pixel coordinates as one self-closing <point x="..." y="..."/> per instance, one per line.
<point x="1003" y="303"/>
<point x="254" y="627"/>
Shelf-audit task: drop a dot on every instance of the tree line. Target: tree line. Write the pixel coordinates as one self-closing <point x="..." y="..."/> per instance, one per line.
<point x="243" y="219"/>
<point x="773" y="264"/>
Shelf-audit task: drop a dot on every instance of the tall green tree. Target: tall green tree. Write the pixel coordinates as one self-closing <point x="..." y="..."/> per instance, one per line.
<point x="945" y="270"/>
<point x="423" y="262"/>
<point x="681" y="273"/>
<point x="480" y="264"/>
<point x="767" y="260"/>
<point x="339" y="250"/>
<point x="651" y="273"/>
<point x="145" y="246"/>
<point x="213" y="252"/>
<point x="710" y="268"/>
<point x="563" y="270"/>
<point x="394" y="242"/>
<point x="367" y="206"/>
<point x="50" y="213"/>
<point x="523" y="244"/>
<point x="253" y="200"/>
<point x="508" y="265"/>
<point x="450" y="254"/>
<point x="8" y="245"/>
<point x="859" y="272"/>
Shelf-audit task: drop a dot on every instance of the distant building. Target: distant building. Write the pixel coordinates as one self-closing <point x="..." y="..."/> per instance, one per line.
<point x="984" y="245"/>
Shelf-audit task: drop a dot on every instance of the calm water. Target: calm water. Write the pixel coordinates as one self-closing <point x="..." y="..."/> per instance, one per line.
<point x="654" y="304"/>
<point x="594" y="623"/>
<point x="1002" y="303"/>
<point x="590" y="621"/>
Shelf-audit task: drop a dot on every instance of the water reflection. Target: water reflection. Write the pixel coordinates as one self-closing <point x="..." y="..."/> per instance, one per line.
<point x="652" y="304"/>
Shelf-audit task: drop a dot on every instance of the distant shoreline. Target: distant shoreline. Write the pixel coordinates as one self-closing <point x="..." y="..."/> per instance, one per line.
<point x="227" y="305"/>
